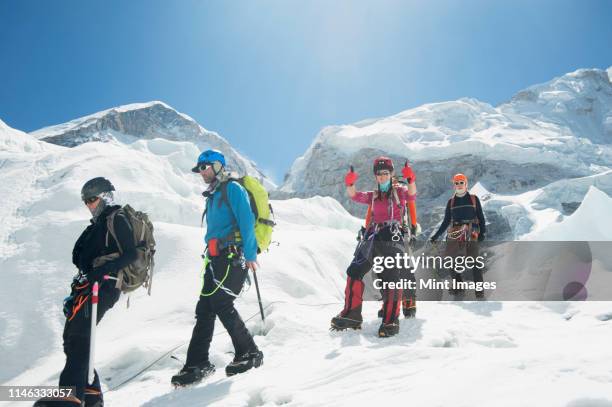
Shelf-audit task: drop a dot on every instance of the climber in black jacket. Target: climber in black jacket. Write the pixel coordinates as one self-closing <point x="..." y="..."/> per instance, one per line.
<point x="95" y="241"/>
<point x="463" y="222"/>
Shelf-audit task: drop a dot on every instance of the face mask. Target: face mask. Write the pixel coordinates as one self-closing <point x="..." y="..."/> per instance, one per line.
<point x="98" y="209"/>
<point x="384" y="187"/>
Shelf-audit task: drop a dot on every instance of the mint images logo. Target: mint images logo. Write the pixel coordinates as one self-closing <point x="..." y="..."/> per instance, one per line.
<point x="433" y="284"/>
<point x="411" y="263"/>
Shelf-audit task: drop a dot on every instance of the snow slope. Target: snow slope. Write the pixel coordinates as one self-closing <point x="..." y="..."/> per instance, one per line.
<point x="16" y="141"/>
<point x="478" y="353"/>
<point x="591" y="221"/>
<point x="572" y="209"/>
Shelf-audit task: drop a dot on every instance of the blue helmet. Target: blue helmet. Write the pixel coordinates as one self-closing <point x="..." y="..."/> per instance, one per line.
<point x="209" y="157"/>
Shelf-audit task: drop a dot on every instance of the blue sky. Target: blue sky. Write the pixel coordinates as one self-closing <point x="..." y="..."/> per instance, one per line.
<point x="268" y="75"/>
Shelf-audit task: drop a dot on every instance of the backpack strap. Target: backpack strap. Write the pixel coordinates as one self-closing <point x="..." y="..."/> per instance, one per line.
<point x="473" y="198"/>
<point x="110" y="228"/>
<point x="225" y="199"/>
<point x="110" y="231"/>
<point x="398" y="202"/>
<point x="395" y="196"/>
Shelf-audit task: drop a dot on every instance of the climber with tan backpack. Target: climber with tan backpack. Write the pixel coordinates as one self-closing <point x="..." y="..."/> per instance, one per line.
<point x="114" y="254"/>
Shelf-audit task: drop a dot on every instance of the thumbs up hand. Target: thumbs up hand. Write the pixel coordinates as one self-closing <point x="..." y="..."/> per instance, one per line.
<point x="408" y="174"/>
<point x="351" y="177"/>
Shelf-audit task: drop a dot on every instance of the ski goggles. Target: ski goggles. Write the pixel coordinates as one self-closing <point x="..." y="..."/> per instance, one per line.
<point x="91" y="200"/>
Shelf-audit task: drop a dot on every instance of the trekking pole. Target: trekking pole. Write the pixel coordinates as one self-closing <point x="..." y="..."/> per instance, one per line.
<point x="92" y="336"/>
<point x="263" y="318"/>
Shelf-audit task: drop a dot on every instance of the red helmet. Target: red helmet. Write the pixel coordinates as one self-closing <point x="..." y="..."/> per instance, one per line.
<point x="383" y="163"/>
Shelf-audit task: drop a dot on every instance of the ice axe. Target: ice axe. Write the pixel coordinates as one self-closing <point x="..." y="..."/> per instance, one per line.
<point x="263" y="317"/>
<point x="92" y="335"/>
<point x="94" y="322"/>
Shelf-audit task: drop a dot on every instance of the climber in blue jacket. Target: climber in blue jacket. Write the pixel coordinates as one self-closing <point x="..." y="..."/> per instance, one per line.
<point x="231" y="250"/>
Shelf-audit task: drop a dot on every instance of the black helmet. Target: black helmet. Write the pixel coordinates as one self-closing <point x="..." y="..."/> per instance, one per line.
<point x="95" y="187"/>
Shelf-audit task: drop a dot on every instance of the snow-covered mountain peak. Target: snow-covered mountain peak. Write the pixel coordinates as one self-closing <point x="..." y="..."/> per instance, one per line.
<point x="580" y="101"/>
<point x="146" y="121"/>
<point x="558" y="130"/>
<point x="143" y="120"/>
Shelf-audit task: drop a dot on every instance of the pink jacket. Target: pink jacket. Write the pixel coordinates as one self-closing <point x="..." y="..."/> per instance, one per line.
<point x="383" y="210"/>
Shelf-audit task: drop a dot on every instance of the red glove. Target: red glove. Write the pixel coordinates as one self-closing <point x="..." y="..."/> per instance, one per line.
<point x="408" y="174"/>
<point x="350" y="178"/>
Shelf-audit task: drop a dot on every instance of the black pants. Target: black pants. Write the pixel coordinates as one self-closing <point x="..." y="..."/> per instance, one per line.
<point x="215" y="300"/>
<point x="375" y="244"/>
<point x="470" y="249"/>
<point x="76" y="342"/>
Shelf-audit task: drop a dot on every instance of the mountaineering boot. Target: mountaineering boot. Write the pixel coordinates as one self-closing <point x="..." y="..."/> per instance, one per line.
<point x="193" y="374"/>
<point x="455" y="282"/>
<point x="409" y="308"/>
<point x="93" y="397"/>
<point x="480" y="295"/>
<point x="351" y="319"/>
<point x="244" y="362"/>
<point x="387" y="330"/>
<point x="456" y="292"/>
<point x="58" y="402"/>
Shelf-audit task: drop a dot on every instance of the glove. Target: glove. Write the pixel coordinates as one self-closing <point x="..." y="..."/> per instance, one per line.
<point x="351" y="177"/>
<point x="361" y="233"/>
<point x="68" y="303"/>
<point x="408" y="174"/>
<point x="481" y="237"/>
<point x="98" y="273"/>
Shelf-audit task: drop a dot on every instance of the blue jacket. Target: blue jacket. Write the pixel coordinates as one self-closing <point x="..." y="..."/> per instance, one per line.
<point x="221" y="220"/>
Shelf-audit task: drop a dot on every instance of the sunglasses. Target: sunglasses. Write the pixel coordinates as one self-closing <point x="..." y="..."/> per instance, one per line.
<point x="383" y="173"/>
<point x="90" y="200"/>
<point x="459" y="183"/>
<point x="203" y="166"/>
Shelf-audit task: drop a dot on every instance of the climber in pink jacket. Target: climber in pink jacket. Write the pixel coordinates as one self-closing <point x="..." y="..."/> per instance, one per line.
<point x="384" y="236"/>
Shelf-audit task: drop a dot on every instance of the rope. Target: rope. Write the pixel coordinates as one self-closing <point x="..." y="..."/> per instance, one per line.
<point x="143" y="370"/>
<point x="458" y="234"/>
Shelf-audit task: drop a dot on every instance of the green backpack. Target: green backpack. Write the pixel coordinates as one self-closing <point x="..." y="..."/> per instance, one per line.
<point x="260" y="205"/>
